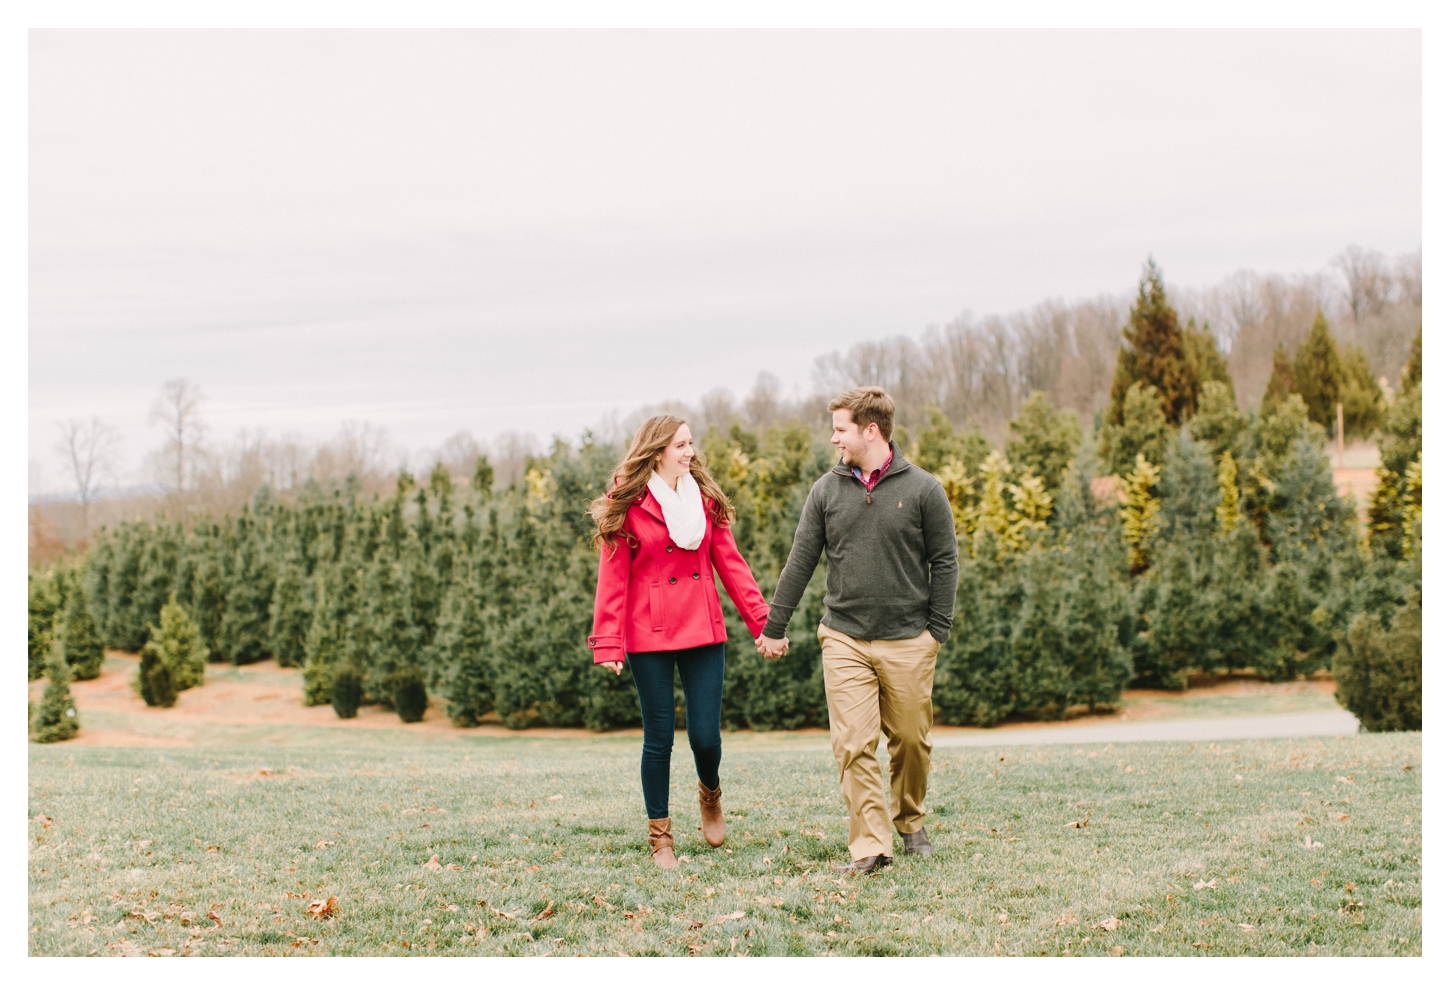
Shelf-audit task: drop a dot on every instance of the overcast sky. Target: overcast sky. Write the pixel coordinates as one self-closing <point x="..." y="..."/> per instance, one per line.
<point x="526" y="230"/>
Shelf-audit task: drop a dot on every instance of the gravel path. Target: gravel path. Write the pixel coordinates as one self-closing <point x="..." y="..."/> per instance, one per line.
<point x="1182" y="729"/>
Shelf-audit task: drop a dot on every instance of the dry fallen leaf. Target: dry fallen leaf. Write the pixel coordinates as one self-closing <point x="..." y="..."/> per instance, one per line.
<point x="769" y="901"/>
<point x="1345" y="779"/>
<point x="454" y="868"/>
<point x="1075" y="824"/>
<point x="696" y="924"/>
<point x="1200" y="884"/>
<point x="557" y="796"/>
<point x="1067" y="919"/>
<point x="322" y="907"/>
<point x="161" y="952"/>
<point x="506" y="916"/>
<point x="1247" y="927"/>
<point x="211" y="915"/>
<point x="604" y="903"/>
<point x="737" y="915"/>
<point x="1342" y="817"/>
<point x="1110" y="924"/>
<point x="432" y="865"/>
<point x="547" y="913"/>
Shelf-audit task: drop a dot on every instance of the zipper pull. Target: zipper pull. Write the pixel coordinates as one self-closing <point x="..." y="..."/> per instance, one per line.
<point x="868" y="497"/>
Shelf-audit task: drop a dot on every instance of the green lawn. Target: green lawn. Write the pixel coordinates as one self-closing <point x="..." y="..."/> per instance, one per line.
<point x="220" y="848"/>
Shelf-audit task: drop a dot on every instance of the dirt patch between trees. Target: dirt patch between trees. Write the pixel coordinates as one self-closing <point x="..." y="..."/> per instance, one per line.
<point x="265" y="694"/>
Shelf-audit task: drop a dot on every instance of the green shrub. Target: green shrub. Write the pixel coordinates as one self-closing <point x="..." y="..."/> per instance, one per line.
<point x="1378" y="670"/>
<point x="347" y="691"/>
<point x="83" y="649"/>
<point x="176" y="643"/>
<point x="410" y="694"/>
<point x="56" y="720"/>
<point x="44" y="604"/>
<point x="154" y="680"/>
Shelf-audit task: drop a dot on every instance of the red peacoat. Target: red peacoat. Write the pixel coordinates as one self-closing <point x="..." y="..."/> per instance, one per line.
<point x="654" y="595"/>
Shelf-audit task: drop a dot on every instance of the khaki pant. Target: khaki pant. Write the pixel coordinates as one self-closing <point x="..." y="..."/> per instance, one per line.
<point x="874" y="686"/>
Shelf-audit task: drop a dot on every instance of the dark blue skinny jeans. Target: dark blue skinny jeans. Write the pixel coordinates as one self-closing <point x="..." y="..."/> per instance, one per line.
<point x="702" y="672"/>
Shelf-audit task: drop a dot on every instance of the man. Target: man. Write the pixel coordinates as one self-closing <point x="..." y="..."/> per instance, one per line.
<point x="891" y="581"/>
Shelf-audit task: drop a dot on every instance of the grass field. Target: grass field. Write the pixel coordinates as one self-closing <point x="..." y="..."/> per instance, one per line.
<point x="1270" y="847"/>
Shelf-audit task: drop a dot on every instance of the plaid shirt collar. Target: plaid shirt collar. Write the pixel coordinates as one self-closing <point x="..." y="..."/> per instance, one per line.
<point x="876" y="474"/>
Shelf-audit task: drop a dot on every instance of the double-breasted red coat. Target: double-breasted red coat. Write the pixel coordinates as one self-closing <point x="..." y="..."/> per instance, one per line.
<point x="655" y="595"/>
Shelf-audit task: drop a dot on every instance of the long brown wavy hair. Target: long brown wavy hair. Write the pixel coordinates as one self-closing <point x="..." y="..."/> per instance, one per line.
<point x="631" y="477"/>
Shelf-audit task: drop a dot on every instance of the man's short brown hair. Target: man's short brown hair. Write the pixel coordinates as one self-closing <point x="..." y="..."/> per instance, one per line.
<point x="868" y="405"/>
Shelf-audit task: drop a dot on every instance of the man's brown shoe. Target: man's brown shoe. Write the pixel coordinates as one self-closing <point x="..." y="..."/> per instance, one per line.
<point x="864" y="865"/>
<point x="661" y="843"/>
<point x="712" y="819"/>
<point x="917" y="843"/>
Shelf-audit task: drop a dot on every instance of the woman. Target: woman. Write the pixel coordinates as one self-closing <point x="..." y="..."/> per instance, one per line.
<point x="663" y="533"/>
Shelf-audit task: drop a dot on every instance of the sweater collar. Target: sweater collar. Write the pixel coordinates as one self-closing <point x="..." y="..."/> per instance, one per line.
<point x="897" y="464"/>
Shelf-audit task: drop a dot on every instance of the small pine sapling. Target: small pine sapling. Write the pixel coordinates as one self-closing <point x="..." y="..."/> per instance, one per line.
<point x="56" y="720"/>
<point x="347" y="692"/>
<point x="83" y="649"/>
<point x="410" y="695"/>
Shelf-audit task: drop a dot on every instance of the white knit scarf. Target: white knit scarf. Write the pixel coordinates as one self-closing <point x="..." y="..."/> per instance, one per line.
<point x="683" y="508"/>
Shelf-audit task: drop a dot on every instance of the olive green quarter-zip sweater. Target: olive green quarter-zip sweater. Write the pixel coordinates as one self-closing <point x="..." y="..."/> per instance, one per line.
<point x="891" y="555"/>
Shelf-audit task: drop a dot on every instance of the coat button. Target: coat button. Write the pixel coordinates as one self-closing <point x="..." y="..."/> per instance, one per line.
<point x="696" y="576"/>
<point x="672" y="581"/>
<point x="669" y="548"/>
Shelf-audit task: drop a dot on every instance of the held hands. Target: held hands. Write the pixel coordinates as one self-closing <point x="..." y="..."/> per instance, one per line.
<point x="771" y="649"/>
<point x="615" y="665"/>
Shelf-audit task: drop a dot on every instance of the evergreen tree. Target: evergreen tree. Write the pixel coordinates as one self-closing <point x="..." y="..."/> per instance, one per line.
<point x="347" y="692"/>
<point x="1400" y="445"/>
<point x="290" y="612"/>
<point x="482" y="481"/>
<point x="81" y="642"/>
<point x="209" y="589"/>
<point x="176" y="643"/>
<point x="1154" y="355"/>
<point x="1410" y="376"/>
<point x="1219" y="423"/>
<point x="463" y="651"/>
<point x="939" y="444"/>
<point x="44" y="604"/>
<point x="1318" y="373"/>
<point x="389" y="638"/>
<point x="1227" y="511"/>
<point x="409" y="693"/>
<point x="56" y="720"/>
<point x="1200" y="350"/>
<point x="1142" y="431"/>
<point x="250" y="583"/>
<point x="154" y="680"/>
<point x="321" y="649"/>
<point x="1044" y="440"/>
<point x="1378" y="671"/>
<point x="1364" y="401"/>
<point x="1281" y="381"/>
<point x="1140" y="513"/>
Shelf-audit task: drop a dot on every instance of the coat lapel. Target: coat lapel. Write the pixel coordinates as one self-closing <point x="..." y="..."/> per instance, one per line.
<point x="651" y="506"/>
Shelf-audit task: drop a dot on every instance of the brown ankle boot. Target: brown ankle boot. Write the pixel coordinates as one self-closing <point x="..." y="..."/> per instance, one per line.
<point x="712" y="818"/>
<point x="661" y="842"/>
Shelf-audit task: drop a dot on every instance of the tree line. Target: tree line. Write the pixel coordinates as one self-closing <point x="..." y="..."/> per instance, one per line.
<point x="1184" y="535"/>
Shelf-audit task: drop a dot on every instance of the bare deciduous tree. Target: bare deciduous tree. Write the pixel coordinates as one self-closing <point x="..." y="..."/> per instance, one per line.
<point x="1367" y="281"/>
<point x="177" y="410"/>
<point x="88" y="448"/>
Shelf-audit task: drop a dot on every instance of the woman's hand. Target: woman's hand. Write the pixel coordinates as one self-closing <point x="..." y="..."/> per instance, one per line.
<point x="771" y="649"/>
<point x="615" y="665"/>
